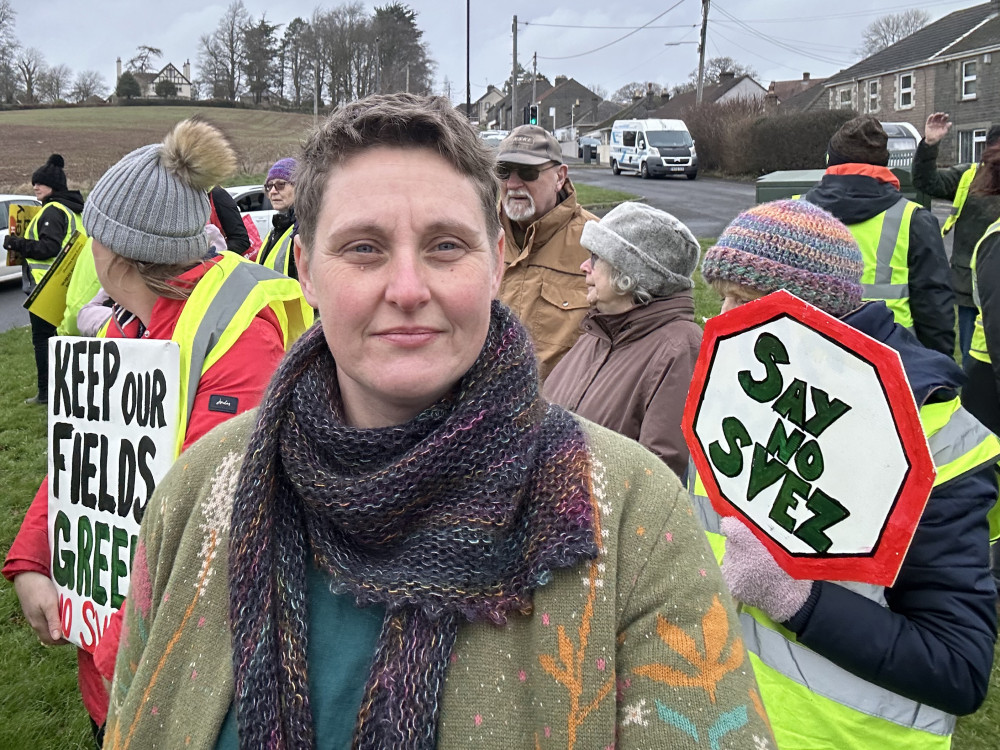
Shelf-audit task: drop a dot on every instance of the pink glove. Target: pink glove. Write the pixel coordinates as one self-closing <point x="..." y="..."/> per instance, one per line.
<point x="754" y="577"/>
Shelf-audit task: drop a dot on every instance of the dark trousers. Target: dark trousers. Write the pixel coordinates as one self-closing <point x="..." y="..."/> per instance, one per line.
<point x="966" y="325"/>
<point x="41" y="332"/>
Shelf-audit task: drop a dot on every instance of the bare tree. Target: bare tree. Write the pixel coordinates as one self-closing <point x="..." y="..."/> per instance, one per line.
<point x="54" y="83"/>
<point x="144" y="55"/>
<point x="88" y="83"/>
<point x="297" y="56"/>
<point x="886" y="30"/>
<point x="222" y="53"/>
<point x="30" y="66"/>
<point x="715" y="67"/>
<point x="626" y="93"/>
<point x="599" y="90"/>
<point x="8" y="50"/>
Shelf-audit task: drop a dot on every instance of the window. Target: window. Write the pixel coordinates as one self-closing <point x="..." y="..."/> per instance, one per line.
<point x="971" y="144"/>
<point x="628" y="138"/>
<point x="904" y="88"/>
<point x="873" y="96"/>
<point x="969" y="79"/>
<point x="845" y="99"/>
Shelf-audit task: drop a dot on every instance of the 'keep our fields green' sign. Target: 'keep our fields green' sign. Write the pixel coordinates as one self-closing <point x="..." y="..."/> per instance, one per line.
<point x="113" y="421"/>
<point x="807" y="430"/>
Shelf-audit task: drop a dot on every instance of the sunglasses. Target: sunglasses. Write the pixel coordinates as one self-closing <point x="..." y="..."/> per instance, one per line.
<point x="527" y="174"/>
<point x="278" y="185"/>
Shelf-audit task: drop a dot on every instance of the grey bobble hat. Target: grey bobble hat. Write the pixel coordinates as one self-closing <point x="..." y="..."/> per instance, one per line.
<point x="153" y="204"/>
<point x="650" y="245"/>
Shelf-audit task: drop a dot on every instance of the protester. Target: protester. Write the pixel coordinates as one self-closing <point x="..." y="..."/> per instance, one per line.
<point x="151" y="263"/>
<point x="397" y="538"/>
<point x="44" y="237"/>
<point x="849" y="665"/>
<point x="631" y="369"/>
<point x="542" y="223"/>
<point x="860" y="190"/>
<point x="971" y="214"/>
<point x="276" y="250"/>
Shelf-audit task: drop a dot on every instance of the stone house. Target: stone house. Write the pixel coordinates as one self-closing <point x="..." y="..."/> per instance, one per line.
<point x="947" y="66"/>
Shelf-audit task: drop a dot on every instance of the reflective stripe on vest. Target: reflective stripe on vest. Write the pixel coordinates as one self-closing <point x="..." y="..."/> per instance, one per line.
<point x="961" y="193"/>
<point x="978" y="348"/>
<point x="221" y="307"/>
<point x="959" y="443"/>
<point x="884" y="241"/>
<point x="279" y="257"/>
<point x="821" y="676"/>
<point x="39" y="268"/>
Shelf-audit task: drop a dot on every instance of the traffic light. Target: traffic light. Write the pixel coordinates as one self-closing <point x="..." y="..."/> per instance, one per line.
<point x="532" y="114"/>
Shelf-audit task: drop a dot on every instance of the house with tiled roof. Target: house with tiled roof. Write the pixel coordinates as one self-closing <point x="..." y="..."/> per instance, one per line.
<point x="148" y="79"/>
<point x="729" y="88"/>
<point x="947" y="66"/>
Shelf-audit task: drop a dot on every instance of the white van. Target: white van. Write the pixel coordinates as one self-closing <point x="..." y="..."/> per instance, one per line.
<point x="653" y="148"/>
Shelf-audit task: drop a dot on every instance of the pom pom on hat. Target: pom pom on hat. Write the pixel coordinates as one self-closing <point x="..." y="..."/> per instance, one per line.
<point x="791" y="245"/>
<point x="51" y="174"/>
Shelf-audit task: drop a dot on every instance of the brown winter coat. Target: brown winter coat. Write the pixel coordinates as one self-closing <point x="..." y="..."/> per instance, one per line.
<point x="630" y="372"/>
<point x="543" y="283"/>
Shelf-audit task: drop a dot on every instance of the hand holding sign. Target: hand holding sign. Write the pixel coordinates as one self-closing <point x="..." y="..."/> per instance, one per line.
<point x="807" y="429"/>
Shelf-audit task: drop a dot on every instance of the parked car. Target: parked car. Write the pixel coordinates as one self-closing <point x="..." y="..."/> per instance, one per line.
<point x="11" y="273"/>
<point x="587" y="142"/>
<point x="492" y="138"/>
<point x="251" y="199"/>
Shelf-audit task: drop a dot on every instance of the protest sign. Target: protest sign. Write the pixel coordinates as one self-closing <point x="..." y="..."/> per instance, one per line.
<point x="807" y="429"/>
<point x="48" y="299"/>
<point x="18" y="218"/>
<point x="113" y="421"/>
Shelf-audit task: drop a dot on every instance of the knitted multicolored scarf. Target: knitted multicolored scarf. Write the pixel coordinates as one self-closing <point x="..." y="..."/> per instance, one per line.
<point x="459" y="514"/>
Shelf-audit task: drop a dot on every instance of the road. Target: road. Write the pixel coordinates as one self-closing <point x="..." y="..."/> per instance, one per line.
<point x="706" y="205"/>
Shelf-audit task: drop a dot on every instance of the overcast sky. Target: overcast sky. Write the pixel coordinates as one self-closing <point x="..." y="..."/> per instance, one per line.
<point x="780" y="39"/>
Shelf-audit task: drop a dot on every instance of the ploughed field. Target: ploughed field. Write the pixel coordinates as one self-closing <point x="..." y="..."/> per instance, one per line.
<point x="91" y="139"/>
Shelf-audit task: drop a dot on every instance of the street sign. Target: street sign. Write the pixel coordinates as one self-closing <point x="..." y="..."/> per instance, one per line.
<point x="807" y="429"/>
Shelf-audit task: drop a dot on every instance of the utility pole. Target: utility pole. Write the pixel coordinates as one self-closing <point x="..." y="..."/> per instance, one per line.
<point x="513" y="86"/>
<point x="407" y="78"/>
<point x="701" y="51"/>
<point x="378" y="69"/>
<point x="468" y="84"/>
<point x="534" y="81"/>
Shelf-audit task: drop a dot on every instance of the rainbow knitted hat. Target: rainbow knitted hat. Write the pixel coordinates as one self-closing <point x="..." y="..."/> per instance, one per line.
<point x="791" y="245"/>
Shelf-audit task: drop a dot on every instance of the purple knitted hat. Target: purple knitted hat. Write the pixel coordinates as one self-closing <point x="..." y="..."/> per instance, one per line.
<point x="283" y="169"/>
<point x="791" y="245"/>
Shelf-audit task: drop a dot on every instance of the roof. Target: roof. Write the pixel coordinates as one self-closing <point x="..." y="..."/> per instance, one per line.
<point x="677" y="105"/>
<point x="803" y="100"/>
<point x="934" y="40"/>
<point x="787" y="89"/>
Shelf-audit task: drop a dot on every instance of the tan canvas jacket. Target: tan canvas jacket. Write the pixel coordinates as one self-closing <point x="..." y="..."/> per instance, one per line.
<point x="543" y="283"/>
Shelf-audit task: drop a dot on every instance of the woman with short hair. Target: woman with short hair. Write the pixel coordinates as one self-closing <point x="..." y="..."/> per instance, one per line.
<point x="407" y="546"/>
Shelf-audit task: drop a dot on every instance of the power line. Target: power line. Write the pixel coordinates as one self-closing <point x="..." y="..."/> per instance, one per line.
<point x="626" y="36"/>
<point x="612" y="28"/>
<point x="851" y="14"/>
<point x="778" y="42"/>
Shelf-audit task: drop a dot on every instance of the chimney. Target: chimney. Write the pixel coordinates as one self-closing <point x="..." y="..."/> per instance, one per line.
<point x="805" y="76"/>
<point x="664" y="96"/>
<point x="187" y="69"/>
<point x="119" y="69"/>
<point x="726" y="75"/>
<point x="771" y="98"/>
<point x="561" y="79"/>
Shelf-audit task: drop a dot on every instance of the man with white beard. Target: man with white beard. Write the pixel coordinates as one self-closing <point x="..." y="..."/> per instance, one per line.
<point x="542" y="222"/>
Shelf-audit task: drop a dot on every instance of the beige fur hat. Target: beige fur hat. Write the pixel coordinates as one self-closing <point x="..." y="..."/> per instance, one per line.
<point x="153" y="204"/>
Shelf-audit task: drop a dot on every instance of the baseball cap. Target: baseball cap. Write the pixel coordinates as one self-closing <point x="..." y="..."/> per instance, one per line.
<point x="531" y="145"/>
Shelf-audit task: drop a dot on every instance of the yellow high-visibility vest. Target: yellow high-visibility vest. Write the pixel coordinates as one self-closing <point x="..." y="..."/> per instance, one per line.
<point x="74" y="223"/>
<point x="221" y="307"/>
<point x="977" y="348"/>
<point x="961" y="193"/>
<point x="812" y="703"/>
<point x="279" y="257"/>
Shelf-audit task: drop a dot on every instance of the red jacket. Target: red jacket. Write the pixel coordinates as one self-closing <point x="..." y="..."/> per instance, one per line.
<point x="242" y="373"/>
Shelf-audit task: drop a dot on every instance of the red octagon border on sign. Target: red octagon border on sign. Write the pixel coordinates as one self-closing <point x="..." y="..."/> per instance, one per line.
<point x="881" y="565"/>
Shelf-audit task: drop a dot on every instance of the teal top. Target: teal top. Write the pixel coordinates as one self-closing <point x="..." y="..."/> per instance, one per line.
<point x="341" y="645"/>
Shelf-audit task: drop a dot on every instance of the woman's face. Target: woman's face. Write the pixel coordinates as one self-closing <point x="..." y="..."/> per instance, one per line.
<point x="403" y="272"/>
<point x="281" y="193"/>
<point x="41" y="191"/>
<point x="736" y="295"/>
<point x="601" y="293"/>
